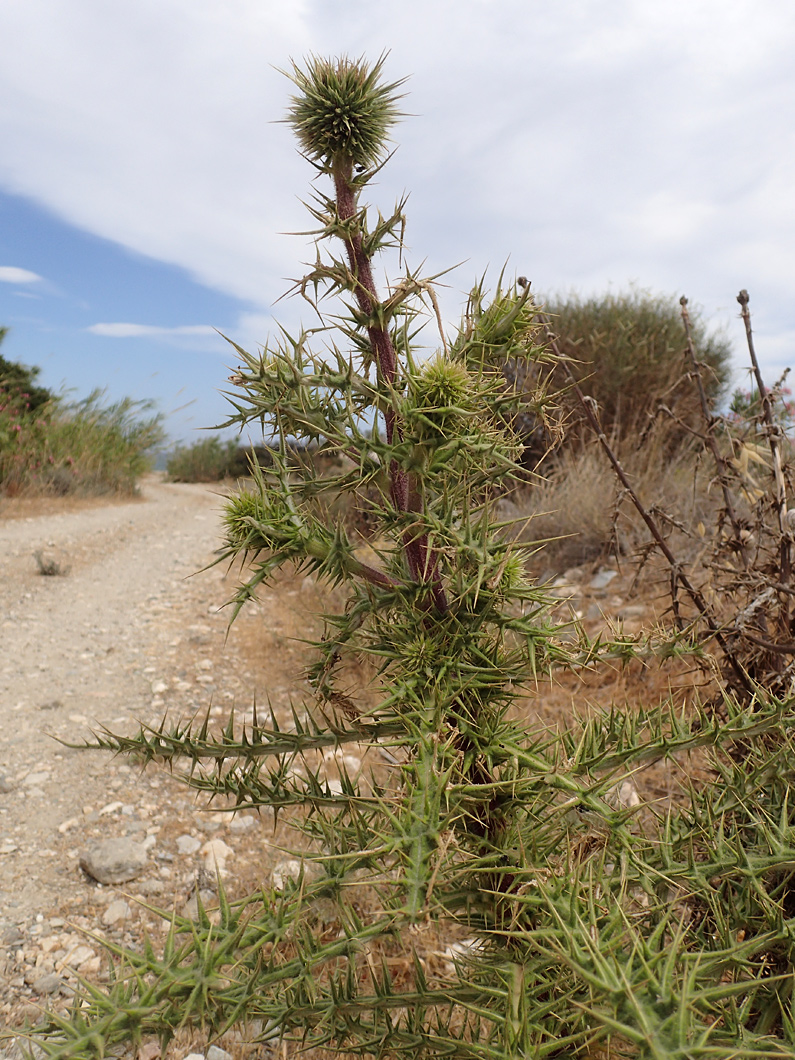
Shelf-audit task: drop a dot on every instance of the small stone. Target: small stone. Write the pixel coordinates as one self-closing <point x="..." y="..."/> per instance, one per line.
<point x="216" y="1053"/>
<point x="7" y="785"/>
<point x="624" y="795"/>
<point x="352" y="765"/>
<point x="191" y="907"/>
<point x="602" y="579"/>
<point x="573" y="574"/>
<point x="241" y="824"/>
<point x="34" y="779"/>
<point x="112" y="807"/>
<point x="114" y="860"/>
<point x="11" y="935"/>
<point x="208" y="824"/>
<point x="288" y="870"/>
<point x="47" y="984"/>
<point x="150" y="887"/>
<point x="187" y="844"/>
<point x="632" y="611"/>
<point x="77" y="956"/>
<point x="159" y="687"/>
<point x="215" y="852"/>
<point x="151" y="1051"/>
<point x="116" y="912"/>
<point x="195" y="1056"/>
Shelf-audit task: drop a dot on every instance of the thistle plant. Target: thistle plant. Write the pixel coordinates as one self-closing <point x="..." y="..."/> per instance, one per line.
<point x="581" y="929"/>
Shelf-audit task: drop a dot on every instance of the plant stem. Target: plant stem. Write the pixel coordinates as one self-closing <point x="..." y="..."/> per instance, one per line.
<point x="422" y="561"/>
<point x="709" y="437"/>
<point x="772" y="432"/>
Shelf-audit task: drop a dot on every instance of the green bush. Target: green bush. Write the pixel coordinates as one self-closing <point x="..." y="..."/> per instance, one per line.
<point x="18" y="385"/>
<point x="628" y="353"/>
<point x="207" y="460"/>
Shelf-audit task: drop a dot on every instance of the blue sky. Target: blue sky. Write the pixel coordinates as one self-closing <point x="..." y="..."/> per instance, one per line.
<point x="100" y="315"/>
<point x="146" y="182"/>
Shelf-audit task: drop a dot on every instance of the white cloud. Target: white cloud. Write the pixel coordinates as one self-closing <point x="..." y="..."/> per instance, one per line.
<point x="589" y="140"/>
<point x="131" y="331"/>
<point x="12" y="274"/>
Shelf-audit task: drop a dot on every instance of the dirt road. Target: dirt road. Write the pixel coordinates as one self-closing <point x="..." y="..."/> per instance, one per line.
<point x="125" y="633"/>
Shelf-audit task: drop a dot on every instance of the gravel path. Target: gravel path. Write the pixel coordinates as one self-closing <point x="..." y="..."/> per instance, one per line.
<point x="127" y="632"/>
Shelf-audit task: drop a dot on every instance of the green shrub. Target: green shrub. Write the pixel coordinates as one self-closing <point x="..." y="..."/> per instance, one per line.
<point x="18" y="385"/>
<point x="207" y="460"/>
<point x="628" y="353"/>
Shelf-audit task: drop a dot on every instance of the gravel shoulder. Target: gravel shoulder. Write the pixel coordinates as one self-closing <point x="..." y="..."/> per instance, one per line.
<point x="128" y="632"/>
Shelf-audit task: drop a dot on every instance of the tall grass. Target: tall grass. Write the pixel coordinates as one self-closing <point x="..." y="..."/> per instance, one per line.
<point x="81" y="447"/>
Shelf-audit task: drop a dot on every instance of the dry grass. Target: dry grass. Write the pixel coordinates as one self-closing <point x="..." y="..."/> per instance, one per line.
<point x="581" y="510"/>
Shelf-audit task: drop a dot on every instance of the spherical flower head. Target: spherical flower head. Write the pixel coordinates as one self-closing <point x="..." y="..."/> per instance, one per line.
<point x="241" y="511"/>
<point x="256" y="520"/>
<point x="343" y="112"/>
<point x="441" y="396"/>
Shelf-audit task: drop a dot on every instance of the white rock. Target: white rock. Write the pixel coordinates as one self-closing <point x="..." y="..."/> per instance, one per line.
<point x="241" y="824"/>
<point x="187" y="844"/>
<point x="114" y="860"/>
<point x="77" y="956"/>
<point x="215" y="852"/>
<point x="158" y="687"/>
<point x="216" y="1053"/>
<point x="116" y="912"/>
<point x="286" y="871"/>
<point x="33" y="779"/>
<point x="603" y="578"/>
<point x="625" y="795"/>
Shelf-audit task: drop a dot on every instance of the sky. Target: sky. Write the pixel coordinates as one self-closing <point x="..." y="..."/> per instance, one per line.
<point x="148" y="186"/>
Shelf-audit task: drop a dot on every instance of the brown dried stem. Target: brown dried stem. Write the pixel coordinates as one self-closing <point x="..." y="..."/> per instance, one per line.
<point x="709" y="435"/>
<point x="678" y="575"/>
<point x="772" y="430"/>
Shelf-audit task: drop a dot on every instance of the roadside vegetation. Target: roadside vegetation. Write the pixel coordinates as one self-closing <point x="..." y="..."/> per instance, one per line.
<point x="52" y="446"/>
<point x="209" y="459"/>
<point x="579" y="922"/>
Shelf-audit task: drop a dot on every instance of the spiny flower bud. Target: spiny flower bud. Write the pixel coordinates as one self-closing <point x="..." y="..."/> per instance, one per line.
<point x="441" y="395"/>
<point x="343" y="113"/>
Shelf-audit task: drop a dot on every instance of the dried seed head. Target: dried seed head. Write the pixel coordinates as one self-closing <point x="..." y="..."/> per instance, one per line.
<point x="343" y="113"/>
